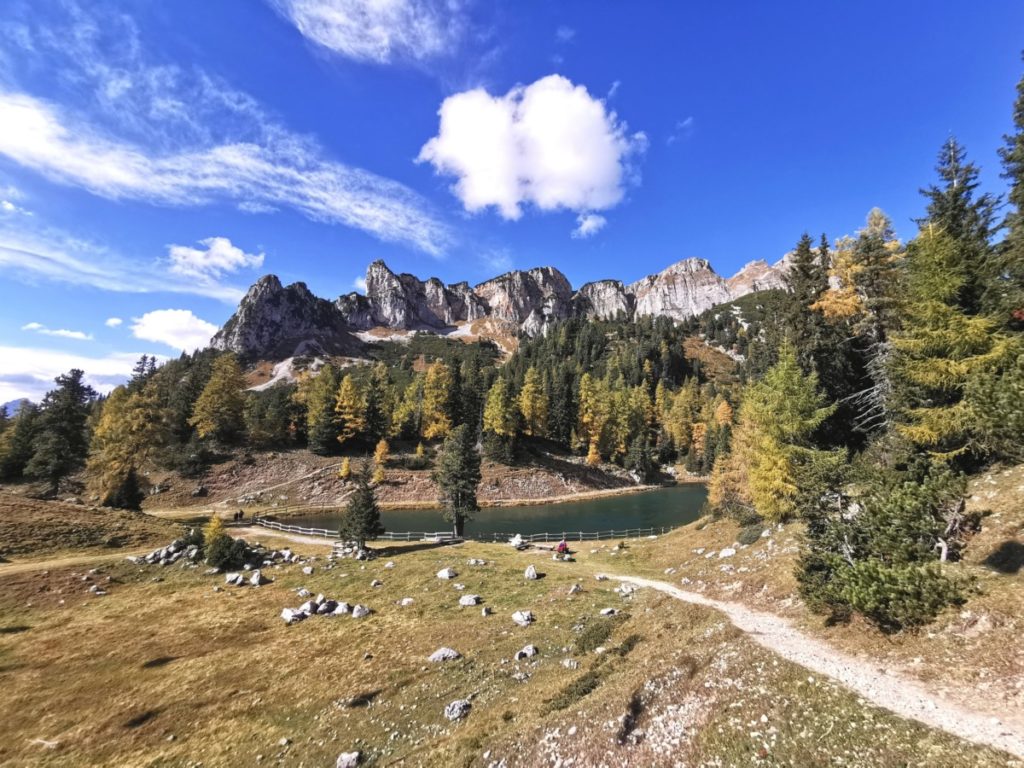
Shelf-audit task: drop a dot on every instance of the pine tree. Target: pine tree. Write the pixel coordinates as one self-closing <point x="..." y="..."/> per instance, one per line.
<point x="458" y="476"/>
<point x="17" y="440"/>
<point x="1005" y="294"/>
<point x="320" y="396"/>
<point x="220" y="409"/>
<point x="941" y="349"/>
<point x="349" y="410"/>
<point x="379" y="403"/>
<point x="533" y="404"/>
<point x="61" y="444"/>
<point x="437" y="387"/>
<point x="362" y="515"/>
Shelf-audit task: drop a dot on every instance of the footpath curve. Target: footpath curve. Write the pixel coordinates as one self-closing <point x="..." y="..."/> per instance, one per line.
<point x="901" y="695"/>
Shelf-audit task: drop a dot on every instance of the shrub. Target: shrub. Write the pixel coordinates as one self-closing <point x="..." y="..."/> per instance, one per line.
<point x="897" y="597"/>
<point x="750" y="534"/>
<point x="226" y="553"/>
<point x="574" y="691"/>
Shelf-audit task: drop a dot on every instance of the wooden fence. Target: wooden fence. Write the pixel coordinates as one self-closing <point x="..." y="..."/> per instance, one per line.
<point x="628" y="533"/>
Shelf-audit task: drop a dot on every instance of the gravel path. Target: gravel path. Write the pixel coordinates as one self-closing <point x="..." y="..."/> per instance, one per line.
<point x="903" y="696"/>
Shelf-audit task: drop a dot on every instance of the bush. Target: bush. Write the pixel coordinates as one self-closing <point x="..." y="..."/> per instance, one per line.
<point x="226" y="553"/>
<point x="574" y="691"/>
<point x="750" y="534"/>
<point x="897" y="597"/>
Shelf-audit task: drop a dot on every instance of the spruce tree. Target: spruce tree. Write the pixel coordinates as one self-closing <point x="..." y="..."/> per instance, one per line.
<point x="16" y="441"/>
<point x="61" y="444"/>
<point x="362" y="515"/>
<point x="1005" y="295"/>
<point x="378" y="404"/>
<point x="320" y="395"/>
<point x="457" y="476"/>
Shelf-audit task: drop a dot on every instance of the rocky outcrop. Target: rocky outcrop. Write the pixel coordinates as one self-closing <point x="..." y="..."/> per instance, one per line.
<point x="683" y="290"/>
<point x="273" y="321"/>
<point x="603" y="300"/>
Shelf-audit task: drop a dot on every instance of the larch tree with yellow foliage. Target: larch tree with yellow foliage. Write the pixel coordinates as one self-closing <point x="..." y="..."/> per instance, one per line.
<point x="533" y="404"/>
<point x="437" y="385"/>
<point x="349" y="410"/>
<point x="219" y="410"/>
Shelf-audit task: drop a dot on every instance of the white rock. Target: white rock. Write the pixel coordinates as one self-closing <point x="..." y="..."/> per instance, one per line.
<point x="727" y="552"/>
<point x="444" y="654"/>
<point x="575" y="589"/>
<point x="457" y="709"/>
<point x="359" y="611"/>
<point x="459" y="587"/>
<point x="469" y="600"/>
<point x="570" y="664"/>
<point x="446" y="573"/>
<point x="485" y="611"/>
<point x="527" y="652"/>
<point x="291" y="615"/>
<point x="308" y="570"/>
<point x="406" y="601"/>
<point x="531" y="573"/>
<point x="376" y="583"/>
<point x="342" y="609"/>
<point x="608" y="611"/>
<point x="348" y="759"/>
<point x="389" y="564"/>
<point x="523" y="618"/>
<point x="601" y="577"/>
<point x="258" y="579"/>
<point x="303" y="592"/>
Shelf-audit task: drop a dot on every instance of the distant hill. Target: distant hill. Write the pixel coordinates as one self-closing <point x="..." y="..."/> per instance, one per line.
<point x="13" y="406"/>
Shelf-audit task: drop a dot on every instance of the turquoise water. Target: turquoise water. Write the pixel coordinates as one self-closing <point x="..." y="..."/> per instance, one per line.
<point x="662" y="507"/>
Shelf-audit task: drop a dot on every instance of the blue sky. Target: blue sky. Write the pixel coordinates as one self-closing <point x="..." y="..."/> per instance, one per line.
<point x="156" y="158"/>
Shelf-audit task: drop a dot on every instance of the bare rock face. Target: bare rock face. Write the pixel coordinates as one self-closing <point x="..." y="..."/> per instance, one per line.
<point x="683" y="290"/>
<point x="531" y="300"/>
<point x="756" y="276"/>
<point x="603" y="300"/>
<point x="356" y="309"/>
<point x="273" y="321"/>
<point x="405" y="301"/>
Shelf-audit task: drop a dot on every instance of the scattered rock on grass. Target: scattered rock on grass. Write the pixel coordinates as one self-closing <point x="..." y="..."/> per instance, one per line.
<point x="446" y="573"/>
<point x="523" y="618"/>
<point x="469" y="600"/>
<point x="348" y="759"/>
<point x="360" y="611"/>
<point x="527" y="652"/>
<point x="457" y="710"/>
<point x="531" y="573"/>
<point x="444" y="654"/>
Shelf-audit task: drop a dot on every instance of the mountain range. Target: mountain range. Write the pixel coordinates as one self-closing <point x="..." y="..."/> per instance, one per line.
<point x="274" y="321"/>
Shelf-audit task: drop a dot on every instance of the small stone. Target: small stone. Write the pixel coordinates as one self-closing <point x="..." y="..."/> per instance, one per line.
<point x="531" y="573"/>
<point x="348" y="759"/>
<point x="284" y="742"/>
<point x="360" y="611"/>
<point x="601" y="577"/>
<point x="608" y="611"/>
<point x="291" y="616"/>
<point x="376" y="583"/>
<point x="469" y="600"/>
<point x="308" y="570"/>
<point x="446" y="573"/>
<point x="485" y="611"/>
<point x="727" y="552"/>
<point x="570" y="664"/>
<point x="575" y="589"/>
<point x="406" y="601"/>
<point x="389" y="564"/>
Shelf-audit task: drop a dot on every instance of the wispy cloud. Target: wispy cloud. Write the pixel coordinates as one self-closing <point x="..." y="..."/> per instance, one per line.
<point x="46" y="254"/>
<point x="359" y="284"/>
<point x="129" y="129"/>
<point x="59" y="332"/>
<point x="375" y="31"/>
<point x="217" y="258"/>
<point x="113" y="322"/>
<point x="564" y="34"/>
<point x="683" y="129"/>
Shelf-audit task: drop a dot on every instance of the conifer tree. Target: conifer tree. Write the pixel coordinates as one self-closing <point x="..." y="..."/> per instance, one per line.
<point x="349" y="410"/>
<point x="130" y="428"/>
<point x="500" y="410"/>
<point x="533" y="404"/>
<point x="408" y="418"/>
<point x="320" y="395"/>
<point x="380" y="458"/>
<point x="458" y="476"/>
<point x="362" y="515"/>
<point x="62" y="443"/>
<point x="437" y="387"/>
<point x="1005" y="295"/>
<point x="17" y="440"/>
<point x="219" y="410"/>
<point x="379" y="403"/>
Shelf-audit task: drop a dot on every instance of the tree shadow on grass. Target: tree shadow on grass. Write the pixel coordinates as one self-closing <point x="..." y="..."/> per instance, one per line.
<point x="159" y="661"/>
<point x="142" y="719"/>
<point x="418" y="547"/>
<point x="1007" y="558"/>
<point x="363" y="700"/>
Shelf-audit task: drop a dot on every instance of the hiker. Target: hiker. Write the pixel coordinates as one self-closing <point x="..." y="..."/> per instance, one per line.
<point x="563" y="547"/>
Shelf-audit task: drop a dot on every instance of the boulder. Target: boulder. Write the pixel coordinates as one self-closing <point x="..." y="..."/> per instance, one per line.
<point x="457" y="710"/>
<point x="523" y="618"/>
<point x="341" y="609"/>
<point x="308" y="570"/>
<point x="303" y="592"/>
<point x="309" y="607"/>
<point x="327" y="607"/>
<point x="727" y="552"/>
<point x="359" y="611"/>
<point x="476" y="561"/>
<point x="608" y="611"/>
<point x="376" y="583"/>
<point x="348" y="759"/>
<point x="446" y="573"/>
<point x="485" y="611"/>
<point x="258" y="579"/>
<point x="570" y="664"/>
<point x="406" y="601"/>
<point x="234" y="579"/>
<point x="469" y="600"/>
<point x="291" y="615"/>
<point x="444" y="654"/>
<point x="389" y="564"/>
<point x="531" y="573"/>
<point x="575" y="589"/>
<point x="527" y="652"/>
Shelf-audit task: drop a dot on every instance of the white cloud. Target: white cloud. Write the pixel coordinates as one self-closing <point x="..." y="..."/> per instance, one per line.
<point x="498" y="260"/>
<point x="60" y="332"/>
<point x="286" y="171"/>
<point x="29" y="372"/>
<point x="219" y="257"/>
<point x="565" y="34"/>
<point x="31" y="255"/>
<point x="683" y="129"/>
<point x="177" y="328"/>
<point x="588" y="225"/>
<point x="359" y="284"/>
<point x="113" y="322"/>
<point x="614" y="89"/>
<point x="377" y="30"/>
<point x="549" y="143"/>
